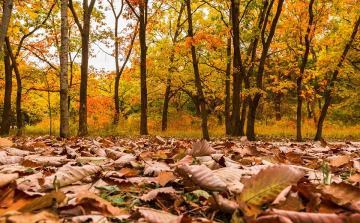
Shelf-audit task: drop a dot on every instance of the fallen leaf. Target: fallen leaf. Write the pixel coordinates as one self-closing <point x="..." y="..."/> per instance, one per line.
<point x="69" y="174"/>
<point x="202" y="176"/>
<point x="91" y="202"/>
<point x="164" y="177"/>
<point x="155" y="216"/>
<point x="154" y="193"/>
<point x="5" y="142"/>
<point x="7" y="178"/>
<point x="264" y="187"/>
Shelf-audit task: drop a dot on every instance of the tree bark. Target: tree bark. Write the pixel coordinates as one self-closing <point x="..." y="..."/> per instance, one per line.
<point x="7" y="10"/>
<point x="64" y="109"/>
<point x="118" y="76"/>
<point x="143" y="49"/>
<point x="168" y="86"/>
<point x="227" y="86"/>
<point x="302" y="71"/>
<point x="85" y="39"/>
<point x="253" y="103"/>
<point x="165" y="108"/>
<point x="19" y="88"/>
<point x="328" y="92"/>
<point x="237" y="79"/>
<point x="197" y="75"/>
<point x="6" y="118"/>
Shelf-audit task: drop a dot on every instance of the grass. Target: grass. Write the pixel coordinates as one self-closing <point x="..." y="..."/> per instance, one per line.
<point x="187" y="126"/>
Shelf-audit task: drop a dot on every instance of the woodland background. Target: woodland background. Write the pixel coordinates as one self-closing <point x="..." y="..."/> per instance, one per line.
<point x="268" y="67"/>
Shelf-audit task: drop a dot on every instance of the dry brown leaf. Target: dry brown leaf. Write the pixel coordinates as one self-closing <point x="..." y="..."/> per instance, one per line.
<point x="229" y="174"/>
<point x="264" y="187"/>
<point x="17" y="152"/>
<point x="201" y="148"/>
<point x="155" y="216"/>
<point x="202" y="176"/>
<point x="127" y="158"/>
<point x="7" y="160"/>
<point x="18" y="217"/>
<point x="98" y="161"/>
<point x="187" y="159"/>
<point x="7" y="178"/>
<point x="30" y="183"/>
<point x="235" y="187"/>
<point x="69" y="174"/>
<point x="339" y="161"/>
<point x="164" y="177"/>
<point x="222" y="204"/>
<point x="155" y="168"/>
<point x="43" y="202"/>
<point x="160" y="140"/>
<point x="89" y="218"/>
<point x="113" y="154"/>
<point x="154" y="193"/>
<point x="342" y="194"/>
<point x="92" y="202"/>
<point x="354" y="178"/>
<point x="299" y="217"/>
<point x="5" y="142"/>
<point x="98" y="151"/>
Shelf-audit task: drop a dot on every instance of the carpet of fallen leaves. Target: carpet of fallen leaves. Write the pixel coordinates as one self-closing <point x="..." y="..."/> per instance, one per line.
<point x="48" y="179"/>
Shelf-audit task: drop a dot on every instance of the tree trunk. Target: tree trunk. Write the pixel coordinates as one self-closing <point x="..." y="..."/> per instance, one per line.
<point x="143" y="47"/>
<point x="277" y="102"/>
<point x="302" y="71"/>
<point x="243" y="117"/>
<point x="166" y="106"/>
<point x="236" y="131"/>
<point x="85" y="35"/>
<point x="6" y="118"/>
<point x="314" y="111"/>
<point x="333" y="79"/>
<point x="19" y="88"/>
<point x="118" y="76"/>
<point x="309" y="110"/>
<point x="64" y="109"/>
<point x="197" y="75"/>
<point x="7" y="9"/>
<point x="168" y="87"/>
<point x="227" y="87"/>
<point x="250" y="130"/>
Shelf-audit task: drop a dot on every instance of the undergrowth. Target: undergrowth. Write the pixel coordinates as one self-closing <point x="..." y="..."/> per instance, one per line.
<point x="187" y="126"/>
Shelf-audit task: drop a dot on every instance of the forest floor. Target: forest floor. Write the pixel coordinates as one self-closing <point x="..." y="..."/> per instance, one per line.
<point x="157" y="179"/>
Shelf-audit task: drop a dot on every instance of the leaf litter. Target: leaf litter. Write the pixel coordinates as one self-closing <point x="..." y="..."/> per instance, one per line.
<point x="159" y="179"/>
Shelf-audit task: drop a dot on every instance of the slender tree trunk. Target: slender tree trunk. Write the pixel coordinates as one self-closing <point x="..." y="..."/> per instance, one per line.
<point x="166" y="106"/>
<point x="50" y="117"/>
<point x="64" y="109"/>
<point x="328" y="92"/>
<point x="5" y="20"/>
<point x="227" y="87"/>
<point x="19" y="89"/>
<point x="302" y="71"/>
<point x="253" y="103"/>
<point x="143" y="47"/>
<point x="277" y="102"/>
<point x="309" y="110"/>
<point x="85" y="36"/>
<point x="197" y="75"/>
<point x="118" y="76"/>
<point x="243" y="117"/>
<point x="168" y="87"/>
<point x="236" y="131"/>
<point x="6" y="118"/>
